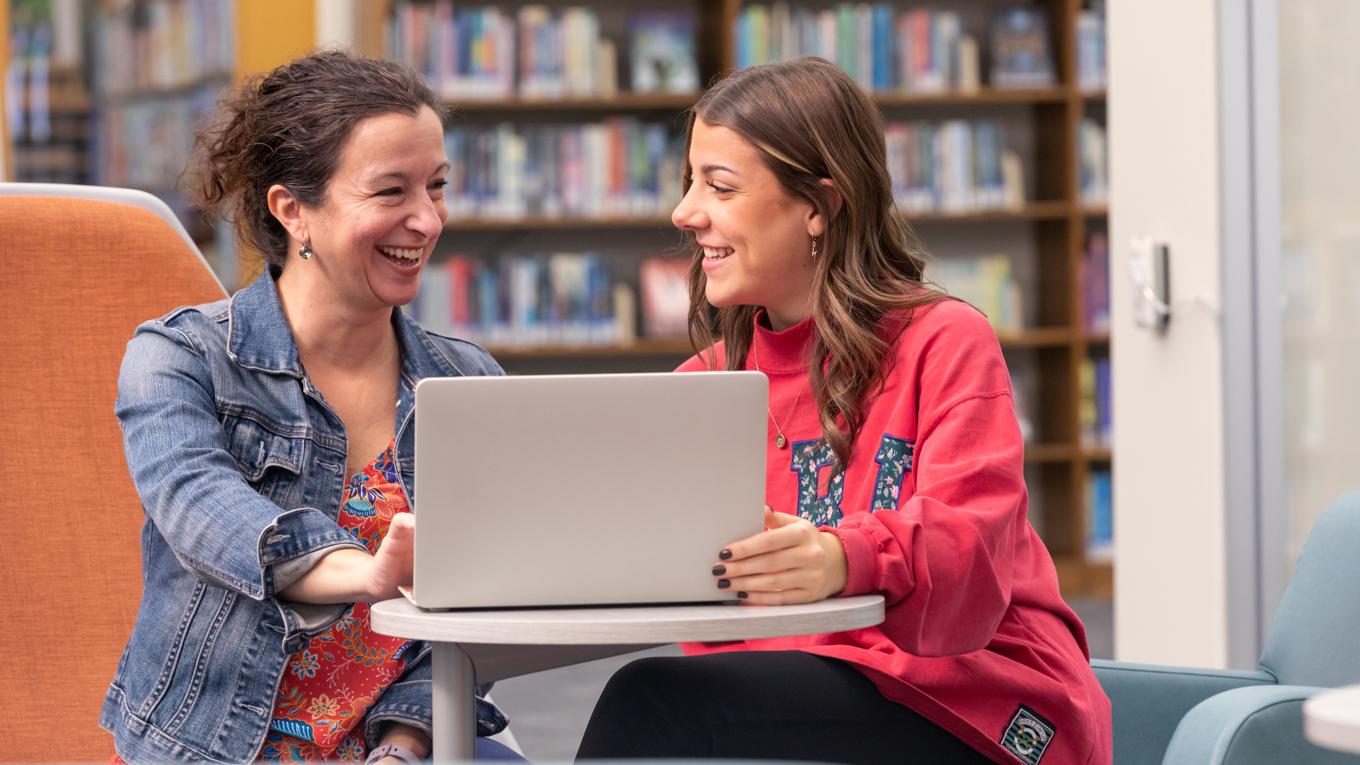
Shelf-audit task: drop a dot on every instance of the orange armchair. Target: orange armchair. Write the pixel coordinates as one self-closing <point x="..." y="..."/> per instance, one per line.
<point x="83" y="266"/>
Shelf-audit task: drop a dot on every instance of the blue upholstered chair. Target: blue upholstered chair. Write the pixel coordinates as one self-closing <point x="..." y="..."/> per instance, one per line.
<point x="1181" y="716"/>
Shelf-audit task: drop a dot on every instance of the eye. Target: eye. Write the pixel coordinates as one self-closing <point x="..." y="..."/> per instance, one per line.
<point x="390" y="192"/>
<point x="439" y="184"/>
<point x="718" y="189"/>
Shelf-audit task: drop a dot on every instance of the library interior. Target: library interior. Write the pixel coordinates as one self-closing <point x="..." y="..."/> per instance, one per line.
<point x="1149" y="201"/>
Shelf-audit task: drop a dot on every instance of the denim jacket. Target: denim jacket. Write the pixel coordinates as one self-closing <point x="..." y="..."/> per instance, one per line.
<point x="240" y="466"/>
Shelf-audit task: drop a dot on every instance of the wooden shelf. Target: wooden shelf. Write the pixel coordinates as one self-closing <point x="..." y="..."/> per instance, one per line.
<point x="1096" y="338"/>
<point x="1046" y="210"/>
<point x="639" y="348"/>
<point x="1095" y="94"/>
<point x="623" y="102"/>
<point x="1095" y="211"/>
<point x="1098" y="454"/>
<point x="979" y="97"/>
<point x="153" y="93"/>
<point x="1078" y="576"/>
<point x="1038" y="337"/>
<point x="559" y="224"/>
<point x="1042" y="454"/>
<point x="1049" y="210"/>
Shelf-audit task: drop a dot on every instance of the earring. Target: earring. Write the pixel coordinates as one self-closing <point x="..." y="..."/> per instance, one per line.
<point x="305" y="251"/>
<point x="814" y="248"/>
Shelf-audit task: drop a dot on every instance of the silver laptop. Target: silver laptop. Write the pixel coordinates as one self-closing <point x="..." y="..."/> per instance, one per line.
<point x="562" y="490"/>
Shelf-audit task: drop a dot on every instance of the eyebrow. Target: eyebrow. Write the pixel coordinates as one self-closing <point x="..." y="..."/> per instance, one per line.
<point x="710" y="169"/>
<point x="397" y="175"/>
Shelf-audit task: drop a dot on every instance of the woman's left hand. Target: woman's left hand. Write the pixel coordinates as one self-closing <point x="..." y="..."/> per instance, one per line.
<point x="791" y="561"/>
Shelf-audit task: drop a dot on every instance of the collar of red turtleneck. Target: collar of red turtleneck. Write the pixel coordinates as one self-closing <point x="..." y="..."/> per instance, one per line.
<point x="780" y="352"/>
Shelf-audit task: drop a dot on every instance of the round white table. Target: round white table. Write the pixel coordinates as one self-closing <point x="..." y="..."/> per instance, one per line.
<point x="1332" y="719"/>
<point x="471" y="647"/>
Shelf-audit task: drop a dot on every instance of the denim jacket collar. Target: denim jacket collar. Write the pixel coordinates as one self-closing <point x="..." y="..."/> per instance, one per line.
<point x="259" y="336"/>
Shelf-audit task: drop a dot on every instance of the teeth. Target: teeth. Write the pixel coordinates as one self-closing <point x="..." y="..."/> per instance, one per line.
<point x="717" y="252"/>
<point x="403" y="253"/>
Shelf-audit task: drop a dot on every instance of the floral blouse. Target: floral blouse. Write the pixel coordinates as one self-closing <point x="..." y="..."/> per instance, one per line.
<point x="330" y="684"/>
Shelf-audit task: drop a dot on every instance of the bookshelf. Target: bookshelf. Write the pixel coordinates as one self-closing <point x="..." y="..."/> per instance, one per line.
<point x="156" y="69"/>
<point x="1046" y="234"/>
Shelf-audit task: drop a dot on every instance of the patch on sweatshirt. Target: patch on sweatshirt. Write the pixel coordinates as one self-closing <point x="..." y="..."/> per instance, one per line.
<point x="1028" y="736"/>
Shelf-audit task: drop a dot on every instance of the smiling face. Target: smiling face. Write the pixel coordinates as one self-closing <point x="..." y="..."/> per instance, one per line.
<point x="755" y="235"/>
<point x="383" y="212"/>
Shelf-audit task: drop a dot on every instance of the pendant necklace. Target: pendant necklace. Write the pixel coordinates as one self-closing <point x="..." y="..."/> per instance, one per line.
<point x="779" y="440"/>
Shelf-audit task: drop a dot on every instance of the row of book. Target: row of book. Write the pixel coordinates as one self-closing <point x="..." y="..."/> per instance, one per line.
<point x="1094" y="410"/>
<point x="148" y="144"/>
<point x="618" y="167"/>
<point x="558" y="299"/>
<point x="485" y="52"/>
<point x="890" y="49"/>
<point x="987" y="282"/>
<point x="1093" y="178"/>
<point x="163" y="44"/>
<point x="884" y="48"/>
<point x="1091" y="55"/>
<point x="955" y="165"/>
<point x="1095" y="283"/>
<point x="1099" y="517"/>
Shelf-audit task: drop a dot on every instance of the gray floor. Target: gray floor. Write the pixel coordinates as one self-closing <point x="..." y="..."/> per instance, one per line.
<point x="549" y="710"/>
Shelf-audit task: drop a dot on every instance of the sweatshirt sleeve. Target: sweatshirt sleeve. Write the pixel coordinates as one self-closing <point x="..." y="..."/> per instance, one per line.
<point x="944" y="560"/>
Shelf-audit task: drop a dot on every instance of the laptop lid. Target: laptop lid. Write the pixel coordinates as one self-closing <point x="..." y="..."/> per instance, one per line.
<point x="559" y="490"/>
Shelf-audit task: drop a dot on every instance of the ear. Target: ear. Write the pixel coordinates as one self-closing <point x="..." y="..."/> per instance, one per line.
<point x="831" y="196"/>
<point x="287" y="210"/>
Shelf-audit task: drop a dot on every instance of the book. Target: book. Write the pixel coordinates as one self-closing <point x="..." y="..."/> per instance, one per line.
<point x="664" y="285"/>
<point x="984" y="281"/>
<point x="663" y="57"/>
<point x="1095" y="274"/>
<point x="1099" y="517"/>
<point x="1020" y="49"/>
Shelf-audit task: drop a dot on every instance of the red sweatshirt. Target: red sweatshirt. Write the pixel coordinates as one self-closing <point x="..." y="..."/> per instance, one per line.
<point x="932" y="514"/>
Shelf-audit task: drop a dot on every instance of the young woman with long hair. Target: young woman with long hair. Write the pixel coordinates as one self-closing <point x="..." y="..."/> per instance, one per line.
<point x="895" y="466"/>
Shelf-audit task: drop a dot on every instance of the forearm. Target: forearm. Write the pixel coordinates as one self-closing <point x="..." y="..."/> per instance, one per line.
<point x="341" y="576"/>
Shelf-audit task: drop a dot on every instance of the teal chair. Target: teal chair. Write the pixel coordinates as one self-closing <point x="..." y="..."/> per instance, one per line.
<point x="1180" y="716"/>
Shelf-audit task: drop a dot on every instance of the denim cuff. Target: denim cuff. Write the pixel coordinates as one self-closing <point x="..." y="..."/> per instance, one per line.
<point x="294" y="534"/>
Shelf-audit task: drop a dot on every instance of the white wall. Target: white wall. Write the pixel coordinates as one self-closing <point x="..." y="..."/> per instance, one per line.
<point x="1170" y="594"/>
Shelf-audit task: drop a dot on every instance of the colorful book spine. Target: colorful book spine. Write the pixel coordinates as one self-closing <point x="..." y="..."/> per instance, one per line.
<point x="619" y="167"/>
<point x="913" y="50"/>
<point x="557" y="299"/>
<point x="1100" y="517"/>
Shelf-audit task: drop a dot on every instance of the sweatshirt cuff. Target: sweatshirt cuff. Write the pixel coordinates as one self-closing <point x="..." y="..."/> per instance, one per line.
<point x="860" y="560"/>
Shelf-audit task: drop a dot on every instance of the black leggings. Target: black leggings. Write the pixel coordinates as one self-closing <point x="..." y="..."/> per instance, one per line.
<point x="760" y="705"/>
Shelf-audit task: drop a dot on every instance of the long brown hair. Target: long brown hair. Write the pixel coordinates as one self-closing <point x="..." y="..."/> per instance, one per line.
<point x="811" y="122"/>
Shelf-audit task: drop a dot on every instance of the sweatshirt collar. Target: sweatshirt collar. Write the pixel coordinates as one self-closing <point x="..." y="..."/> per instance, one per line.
<point x="784" y="351"/>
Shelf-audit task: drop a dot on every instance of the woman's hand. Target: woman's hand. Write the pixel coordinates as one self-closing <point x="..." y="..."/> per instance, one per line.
<point x="348" y="575"/>
<point x="394" y="564"/>
<point x="791" y="561"/>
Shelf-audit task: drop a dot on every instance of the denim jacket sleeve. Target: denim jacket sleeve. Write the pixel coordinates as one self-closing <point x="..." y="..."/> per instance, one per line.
<point x="189" y="483"/>
<point x="409" y="701"/>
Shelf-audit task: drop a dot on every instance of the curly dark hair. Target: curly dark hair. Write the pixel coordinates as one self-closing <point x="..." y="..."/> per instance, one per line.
<point x="288" y="127"/>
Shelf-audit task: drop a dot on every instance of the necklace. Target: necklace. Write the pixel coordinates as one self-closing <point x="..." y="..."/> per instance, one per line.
<point x="779" y="440"/>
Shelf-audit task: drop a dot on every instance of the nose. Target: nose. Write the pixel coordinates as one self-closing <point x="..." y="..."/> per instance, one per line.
<point x="689" y="215"/>
<point x="428" y="217"/>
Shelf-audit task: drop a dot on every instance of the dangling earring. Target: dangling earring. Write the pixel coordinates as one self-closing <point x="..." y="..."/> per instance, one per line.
<point x="305" y="251"/>
<point x="814" y="248"/>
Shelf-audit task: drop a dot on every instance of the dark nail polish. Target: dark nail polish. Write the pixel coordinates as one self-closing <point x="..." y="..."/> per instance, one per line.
<point x="719" y="570"/>
<point x="725" y="555"/>
<point x="724" y="583"/>
<point x="742" y="595"/>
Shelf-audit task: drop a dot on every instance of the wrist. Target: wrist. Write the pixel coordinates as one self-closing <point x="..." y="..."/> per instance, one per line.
<point x="392" y="752"/>
<point x="837" y="567"/>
